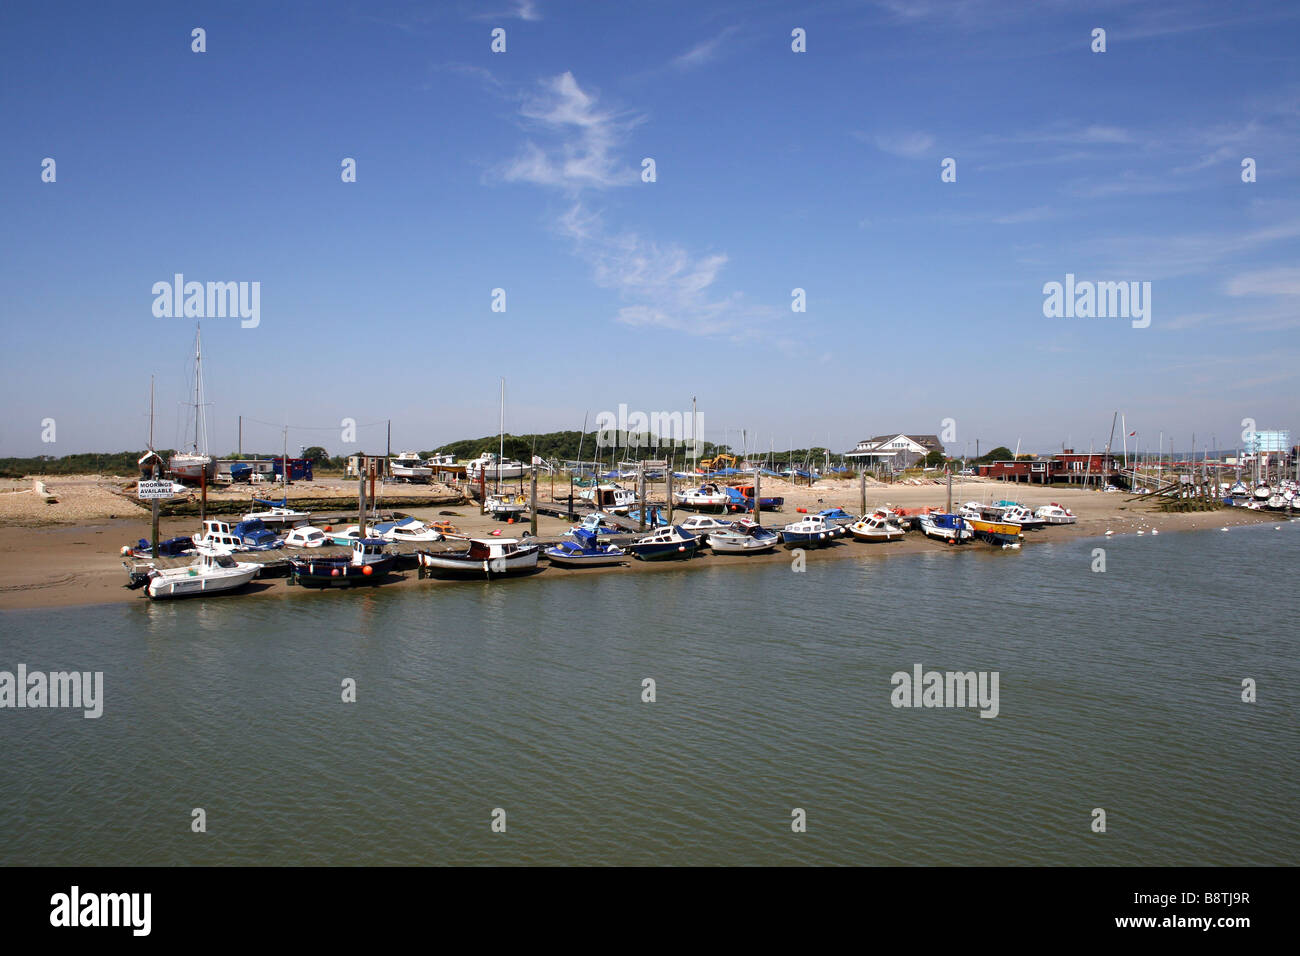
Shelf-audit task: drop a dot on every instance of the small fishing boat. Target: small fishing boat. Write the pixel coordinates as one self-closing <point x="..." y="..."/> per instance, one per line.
<point x="408" y="466"/>
<point x="407" y="529"/>
<point x="743" y="537"/>
<point x="1239" y="490"/>
<point x="368" y="564"/>
<point x="585" y="552"/>
<point x="809" y="531"/>
<point x="610" y="497"/>
<point x="703" y="525"/>
<point x="665" y="544"/>
<point x="954" y="529"/>
<point x="485" y="557"/>
<point x="876" y="526"/>
<point x="505" y="506"/>
<point x="1015" y="513"/>
<point x="211" y="573"/>
<point x="1055" y="514"/>
<point x="999" y="533"/>
<point x="218" y="535"/>
<point x="277" y="512"/>
<point x="706" y="497"/>
<point x="305" y="536"/>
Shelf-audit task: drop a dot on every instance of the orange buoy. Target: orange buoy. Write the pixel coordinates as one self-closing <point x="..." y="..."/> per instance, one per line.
<point x="328" y="528"/>
<point x="367" y="570"/>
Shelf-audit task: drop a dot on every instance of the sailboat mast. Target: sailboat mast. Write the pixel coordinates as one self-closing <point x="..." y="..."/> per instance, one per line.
<point x="501" y="455"/>
<point x="198" y="377"/>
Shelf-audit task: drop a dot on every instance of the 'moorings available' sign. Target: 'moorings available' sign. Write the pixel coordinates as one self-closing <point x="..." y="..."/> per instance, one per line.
<point x="155" y="489"/>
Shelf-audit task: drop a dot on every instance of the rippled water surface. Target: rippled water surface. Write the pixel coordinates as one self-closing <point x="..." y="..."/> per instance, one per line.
<point x="1119" y="690"/>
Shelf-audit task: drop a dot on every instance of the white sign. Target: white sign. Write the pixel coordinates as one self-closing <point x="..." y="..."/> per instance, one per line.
<point x="148" y="490"/>
<point x="656" y="463"/>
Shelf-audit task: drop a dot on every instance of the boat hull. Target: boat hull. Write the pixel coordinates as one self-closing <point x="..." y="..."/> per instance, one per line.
<point x="340" y="572"/>
<point x="164" y="586"/>
<point x="459" y="564"/>
<point x="665" y="551"/>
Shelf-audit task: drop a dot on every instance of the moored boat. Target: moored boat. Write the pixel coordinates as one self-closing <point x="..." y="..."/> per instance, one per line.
<point x="586" y="552"/>
<point x="505" y="506"/>
<point x="1000" y="533"/>
<point x="954" y="529"/>
<point x="706" y="497"/>
<point x="876" y="526"/>
<point x="485" y="557"/>
<point x="277" y="512"/>
<point x="369" y="563"/>
<point x="1055" y="514"/>
<point x="703" y="526"/>
<point x="212" y="572"/>
<point x="665" y="544"/>
<point x="809" y="531"/>
<point x="408" y="466"/>
<point x="743" y="537"/>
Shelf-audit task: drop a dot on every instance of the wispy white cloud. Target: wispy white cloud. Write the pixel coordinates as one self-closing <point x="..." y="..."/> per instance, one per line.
<point x="517" y="10"/>
<point x="1284" y="280"/>
<point x="663" y="285"/>
<point x="702" y="52"/>
<point x="584" y="137"/>
<point x="909" y="145"/>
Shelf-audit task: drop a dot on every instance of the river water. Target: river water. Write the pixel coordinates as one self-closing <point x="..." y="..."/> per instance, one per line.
<point x="1119" y="690"/>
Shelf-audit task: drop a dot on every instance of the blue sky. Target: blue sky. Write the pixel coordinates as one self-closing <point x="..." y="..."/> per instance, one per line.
<point x="776" y="170"/>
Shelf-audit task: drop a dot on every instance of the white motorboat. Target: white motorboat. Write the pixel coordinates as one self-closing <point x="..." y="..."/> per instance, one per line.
<point x="350" y="534"/>
<point x="702" y="526"/>
<point x="219" y="536"/>
<point x="487" y="467"/>
<point x="876" y="526"/>
<point x="811" y="530"/>
<point x="1055" y="514"/>
<point x="706" y="496"/>
<point x="212" y="572"/>
<point x="954" y="529"/>
<point x="743" y="537"/>
<point x="407" y="529"/>
<point x="305" y="536"/>
<point x="485" y="557"/>
<point x="279" y="514"/>
<point x="408" y="466"/>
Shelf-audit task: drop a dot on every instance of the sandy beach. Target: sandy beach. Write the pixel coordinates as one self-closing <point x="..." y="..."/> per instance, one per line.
<point x="68" y="553"/>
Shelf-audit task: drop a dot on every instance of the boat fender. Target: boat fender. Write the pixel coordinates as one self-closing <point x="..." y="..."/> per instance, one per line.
<point x="367" y="570"/>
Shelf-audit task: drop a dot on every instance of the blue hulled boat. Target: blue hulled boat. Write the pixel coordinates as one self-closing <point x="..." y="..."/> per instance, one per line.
<point x="585" y="552"/>
<point x="369" y="563"/>
<point x="665" y="544"/>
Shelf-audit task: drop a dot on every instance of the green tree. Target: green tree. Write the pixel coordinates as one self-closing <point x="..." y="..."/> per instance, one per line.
<point x="1001" y="453"/>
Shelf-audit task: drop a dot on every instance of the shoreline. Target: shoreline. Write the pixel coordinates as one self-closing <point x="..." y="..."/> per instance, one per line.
<point x="80" y="565"/>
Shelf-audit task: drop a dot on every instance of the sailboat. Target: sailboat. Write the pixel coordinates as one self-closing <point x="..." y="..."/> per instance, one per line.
<point x="499" y="505"/>
<point x="197" y="464"/>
